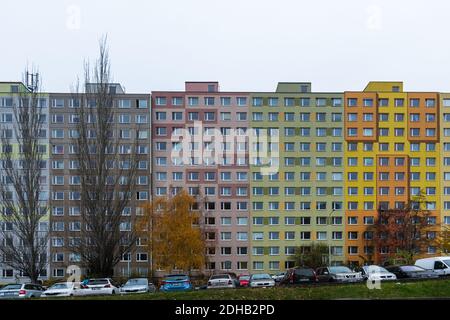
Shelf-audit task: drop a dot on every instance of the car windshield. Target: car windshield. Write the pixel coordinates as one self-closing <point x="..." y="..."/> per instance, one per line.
<point x="373" y="269"/>
<point x="411" y="268"/>
<point x="59" y="286"/>
<point x="220" y="276"/>
<point x="94" y="282"/>
<point x="261" y="276"/>
<point x="244" y="277"/>
<point x="12" y="287"/>
<point x="304" y="272"/>
<point x="447" y="262"/>
<point x="340" y="270"/>
<point x="137" y="282"/>
<point x="176" y="277"/>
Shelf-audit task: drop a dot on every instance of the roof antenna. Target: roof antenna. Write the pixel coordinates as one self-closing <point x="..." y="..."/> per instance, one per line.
<point x="32" y="81"/>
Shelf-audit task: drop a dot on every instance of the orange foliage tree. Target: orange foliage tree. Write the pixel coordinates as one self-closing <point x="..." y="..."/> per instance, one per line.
<point x="403" y="234"/>
<point x="175" y="237"/>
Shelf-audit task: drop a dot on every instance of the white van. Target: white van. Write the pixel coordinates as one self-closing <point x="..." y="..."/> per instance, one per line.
<point x="439" y="265"/>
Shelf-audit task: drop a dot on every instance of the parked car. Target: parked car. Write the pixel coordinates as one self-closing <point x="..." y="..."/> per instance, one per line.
<point x="299" y="275"/>
<point x="412" y="272"/>
<point x="21" y="291"/>
<point x="261" y="280"/>
<point x="376" y="273"/>
<point x="440" y="265"/>
<point x="338" y="274"/>
<point x="100" y="286"/>
<point x="137" y="285"/>
<point x="223" y="281"/>
<point x="176" y="282"/>
<point x="244" y="280"/>
<point x="65" y="289"/>
<point x="277" y="277"/>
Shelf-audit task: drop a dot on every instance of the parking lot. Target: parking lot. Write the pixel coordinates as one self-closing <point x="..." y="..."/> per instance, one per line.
<point x="401" y="289"/>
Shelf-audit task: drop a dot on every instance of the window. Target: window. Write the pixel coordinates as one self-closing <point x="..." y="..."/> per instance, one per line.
<point x="241" y="101"/>
<point x="304" y="117"/>
<point x="415" y="132"/>
<point x="336" y="102"/>
<point x="368" y="117"/>
<point x="193" y="101"/>
<point x="352" y="102"/>
<point x="124" y="118"/>
<point x="289" y="102"/>
<point x="368" y="102"/>
<point x="383" y="102"/>
<point x="177" y="116"/>
<point x="430" y="103"/>
<point x="241" y="116"/>
<point x="414" y="102"/>
<point x="161" y="116"/>
<point x="367" y="132"/>
<point x="321" y="102"/>
<point x="257" y="102"/>
<point x="273" y="102"/>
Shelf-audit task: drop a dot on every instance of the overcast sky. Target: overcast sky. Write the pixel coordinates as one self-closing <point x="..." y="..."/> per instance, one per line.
<point x="246" y="45"/>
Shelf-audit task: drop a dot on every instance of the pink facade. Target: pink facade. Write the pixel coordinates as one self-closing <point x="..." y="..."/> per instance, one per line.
<point x="223" y="186"/>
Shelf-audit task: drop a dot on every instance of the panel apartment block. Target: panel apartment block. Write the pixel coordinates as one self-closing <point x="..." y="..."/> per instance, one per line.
<point x="12" y="95"/>
<point x="300" y="200"/>
<point x="199" y="143"/>
<point x="392" y="154"/>
<point x="132" y="121"/>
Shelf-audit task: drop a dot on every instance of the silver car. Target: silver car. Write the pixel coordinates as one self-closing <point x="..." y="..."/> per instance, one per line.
<point x="137" y="285"/>
<point x="222" y="281"/>
<point x="278" y="277"/>
<point x="21" y="291"/>
<point x="261" y="280"/>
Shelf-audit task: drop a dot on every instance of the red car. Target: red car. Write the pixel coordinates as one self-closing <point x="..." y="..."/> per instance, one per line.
<point x="244" y="280"/>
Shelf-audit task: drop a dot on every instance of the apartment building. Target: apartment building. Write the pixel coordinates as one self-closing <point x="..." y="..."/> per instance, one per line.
<point x="273" y="172"/>
<point x="131" y="121"/>
<point x="199" y="143"/>
<point x="297" y="183"/>
<point x="13" y="94"/>
<point x="392" y="154"/>
<point x="444" y="160"/>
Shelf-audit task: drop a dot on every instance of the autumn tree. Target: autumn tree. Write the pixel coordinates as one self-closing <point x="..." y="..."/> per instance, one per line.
<point x="443" y="240"/>
<point x="402" y="234"/>
<point x="22" y="191"/>
<point x="313" y="256"/>
<point x="173" y="228"/>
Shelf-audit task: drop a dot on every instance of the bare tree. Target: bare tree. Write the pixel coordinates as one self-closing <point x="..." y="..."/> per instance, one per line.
<point x="107" y="172"/>
<point x="25" y="243"/>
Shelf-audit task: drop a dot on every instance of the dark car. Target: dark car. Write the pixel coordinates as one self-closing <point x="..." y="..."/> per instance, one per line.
<point x="412" y="272"/>
<point x="299" y="275"/>
<point x="338" y="274"/>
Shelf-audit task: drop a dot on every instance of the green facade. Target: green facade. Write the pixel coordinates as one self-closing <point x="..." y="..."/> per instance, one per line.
<point x="285" y="212"/>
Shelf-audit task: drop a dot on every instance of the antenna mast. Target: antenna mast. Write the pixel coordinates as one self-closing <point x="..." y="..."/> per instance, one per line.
<point x="32" y="81"/>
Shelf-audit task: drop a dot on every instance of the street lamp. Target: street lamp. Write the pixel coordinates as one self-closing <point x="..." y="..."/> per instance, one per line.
<point x="329" y="236"/>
